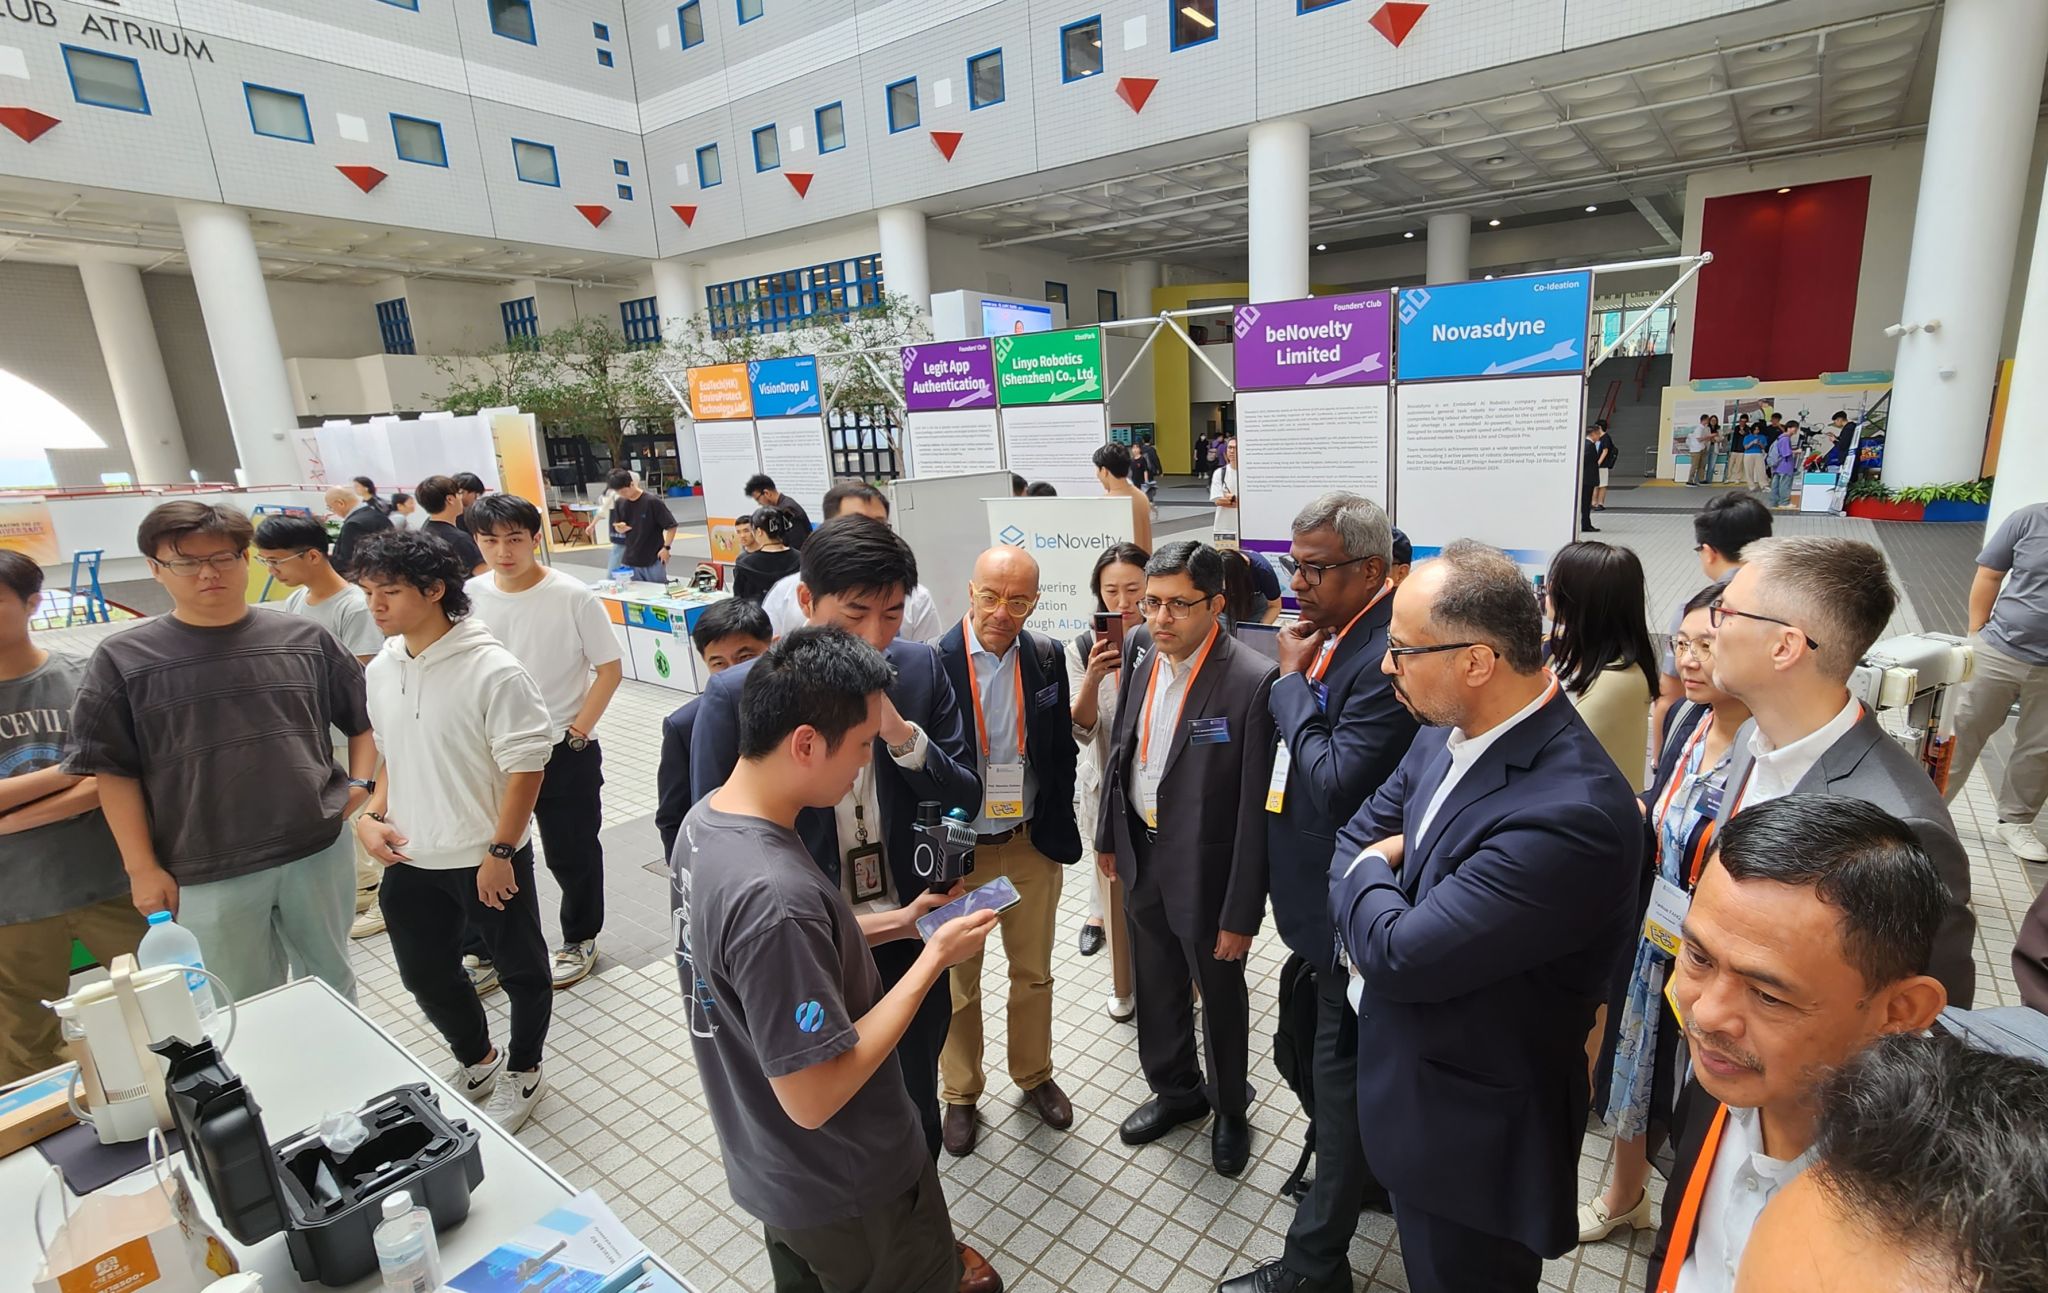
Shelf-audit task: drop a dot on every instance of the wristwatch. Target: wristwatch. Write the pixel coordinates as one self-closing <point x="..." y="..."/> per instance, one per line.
<point x="577" y="743"/>
<point x="503" y="852"/>
<point x="900" y="751"/>
<point x="367" y="787"/>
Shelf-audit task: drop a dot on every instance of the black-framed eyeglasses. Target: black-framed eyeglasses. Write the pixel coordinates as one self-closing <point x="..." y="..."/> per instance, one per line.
<point x="1176" y="608"/>
<point x="1312" y="573"/>
<point x="1400" y="653"/>
<point x="1717" y="614"/>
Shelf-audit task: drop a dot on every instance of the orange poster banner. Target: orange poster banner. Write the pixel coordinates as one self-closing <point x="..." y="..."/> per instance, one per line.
<point x="517" y="445"/>
<point x="720" y="393"/>
<point x="26" y="527"/>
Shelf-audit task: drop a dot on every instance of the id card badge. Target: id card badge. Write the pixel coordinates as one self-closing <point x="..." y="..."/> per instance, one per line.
<point x="864" y="866"/>
<point x="1148" y="790"/>
<point x="1666" y="917"/>
<point x="1276" y="789"/>
<point x="1003" y="792"/>
<point x="1208" y="731"/>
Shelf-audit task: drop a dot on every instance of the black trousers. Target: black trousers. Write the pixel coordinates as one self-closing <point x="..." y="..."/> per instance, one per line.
<point x="918" y="1052"/>
<point x="1443" y="1256"/>
<point x="1166" y="967"/>
<point x="1319" y="1238"/>
<point x="427" y="912"/>
<point x="901" y="1245"/>
<point x="569" y="815"/>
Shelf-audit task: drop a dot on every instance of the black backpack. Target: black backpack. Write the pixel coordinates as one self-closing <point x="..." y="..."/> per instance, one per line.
<point x="1294" y="1055"/>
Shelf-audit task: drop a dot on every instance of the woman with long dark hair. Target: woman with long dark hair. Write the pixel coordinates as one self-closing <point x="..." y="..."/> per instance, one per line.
<point x="1600" y="648"/>
<point x="761" y="568"/>
<point x="366" y="489"/>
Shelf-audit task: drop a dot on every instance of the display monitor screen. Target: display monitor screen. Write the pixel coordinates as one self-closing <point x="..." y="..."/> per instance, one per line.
<point x="1002" y="318"/>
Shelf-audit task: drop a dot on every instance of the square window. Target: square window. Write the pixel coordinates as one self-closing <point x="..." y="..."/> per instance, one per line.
<point x="105" y="80"/>
<point x="535" y="163"/>
<point x="831" y="120"/>
<point x="902" y="101"/>
<point x="1194" y="22"/>
<point x="625" y="193"/>
<point x="394" y="323"/>
<point x="749" y="9"/>
<point x="419" y="141"/>
<point x="1081" y="49"/>
<point x="1055" y="291"/>
<point x="767" y="149"/>
<point x="604" y="58"/>
<point x="600" y="31"/>
<point x="279" y="114"/>
<point x="1105" y="307"/>
<point x="690" y="21"/>
<point x="985" y="80"/>
<point x="620" y="167"/>
<point x="521" y="318"/>
<point x="513" y="19"/>
<point x="709" y="173"/>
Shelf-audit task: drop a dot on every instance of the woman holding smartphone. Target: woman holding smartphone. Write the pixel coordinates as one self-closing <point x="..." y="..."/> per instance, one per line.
<point x="1092" y="662"/>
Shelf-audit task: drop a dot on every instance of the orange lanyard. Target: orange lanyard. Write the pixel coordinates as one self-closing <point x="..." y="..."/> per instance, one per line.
<point x="1329" y="651"/>
<point x="1688" y="1219"/>
<point x="1699" y="853"/>
<point x="980" y="718"/>
<point x="1152" y="689"/>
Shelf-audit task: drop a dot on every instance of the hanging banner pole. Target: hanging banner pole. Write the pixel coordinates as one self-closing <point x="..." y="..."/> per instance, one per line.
<point x="1136" y="359"/>
<point x="1699" y="262"/>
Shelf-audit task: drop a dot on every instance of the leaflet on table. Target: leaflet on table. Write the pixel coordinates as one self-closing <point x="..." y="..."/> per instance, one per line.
<point x="578" y="1247"/>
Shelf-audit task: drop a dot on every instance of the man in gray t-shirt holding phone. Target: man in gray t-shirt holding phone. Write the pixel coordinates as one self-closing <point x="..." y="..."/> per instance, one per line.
<point x="794" y="1038"/>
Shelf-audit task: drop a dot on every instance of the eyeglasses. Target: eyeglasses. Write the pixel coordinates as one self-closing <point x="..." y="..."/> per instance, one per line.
<point x="186" y="567"/>
<point x="1312" y="574"/>
<point x="988" y="600"/>
<point x="275" y="562"/>
<point x="1717" y="614"/>
<point x="1176" y="608"/>
<point x="1400" y="653"/>
<point x="1700" y="649"/>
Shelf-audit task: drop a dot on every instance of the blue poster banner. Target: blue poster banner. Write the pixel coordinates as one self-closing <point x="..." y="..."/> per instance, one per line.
<point x="1522" y="327"/>
<point x="785" y="388"/>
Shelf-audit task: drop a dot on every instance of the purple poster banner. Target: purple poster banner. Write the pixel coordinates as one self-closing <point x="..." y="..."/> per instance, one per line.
<point x="942" y="375"/>
<point x="1323" y="341"/>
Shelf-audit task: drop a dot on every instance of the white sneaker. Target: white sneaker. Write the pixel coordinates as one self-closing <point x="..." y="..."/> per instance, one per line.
<point x="574" y="961"/>
<point x="1122" y="1008"/>
<point x="1595" y="1225"/>
<point x="2024" y="843"/>
<point x="477" y="1081"/>
<point x="368" y="922"/>
<point x="483" y="975"/>
<point x="512" y="1104"/>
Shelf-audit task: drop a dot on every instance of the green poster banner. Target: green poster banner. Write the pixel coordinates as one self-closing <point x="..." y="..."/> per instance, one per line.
<point x="1050" y="367"/>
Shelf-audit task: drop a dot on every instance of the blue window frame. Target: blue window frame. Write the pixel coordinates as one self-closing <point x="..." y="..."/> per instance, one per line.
<point x="831" y="123"/>
<point x="106" y="80"/>
<point x="1310" y="6"/>
<point x="394" y="322"/>
<point x="901" y="98"/>
<point x="604" y="58"/>
<point x="513" y="19"/>
<point x="600" y="31"/>
<point x="1081" y="49"/>
<point x="690" y="23"/>
<point x="749" y="9"/>
<point x="621" y="167"/>
<point x="625" y="193"/>
<point x="773" y="302"/>
<point x="413" y="5"/>
<point x="1193" y="22"/>
<point x="278" y="114"/>
<point x="419" y="140"/>
<point x="522" y="319"/>
<point x="710" y="173"/>
<point x="767" y="148"/>
<point x="641" y="322"/>
<point x="985" y="80"/>
<point x="535" y="163"/>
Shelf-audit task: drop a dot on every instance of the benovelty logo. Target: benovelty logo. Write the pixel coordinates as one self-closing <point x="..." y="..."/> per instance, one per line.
<point x="1012" y="536"/>
<point x="810" y="1016"/>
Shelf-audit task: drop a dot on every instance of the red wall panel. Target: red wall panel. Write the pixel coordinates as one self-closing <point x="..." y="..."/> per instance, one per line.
<point x="1779" y="301"/>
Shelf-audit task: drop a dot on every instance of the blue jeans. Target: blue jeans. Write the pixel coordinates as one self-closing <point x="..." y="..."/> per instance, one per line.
<point x="1781" y="489"/>
<point x="654" y="574"/>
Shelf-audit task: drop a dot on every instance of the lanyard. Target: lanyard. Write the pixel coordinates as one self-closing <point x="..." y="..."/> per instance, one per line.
<point x="1329" y="651"/>
<point x="981" y="719"/>
<point x="1152" y="689"/>
<point x="1688" y="1219"/>
<point x="1699" y="853"/>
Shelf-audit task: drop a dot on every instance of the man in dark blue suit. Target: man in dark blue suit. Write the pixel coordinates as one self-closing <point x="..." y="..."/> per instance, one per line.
<point x="1343" y="732"/>
<point x="1483" y="897"/>
<point x="727" y="633"/>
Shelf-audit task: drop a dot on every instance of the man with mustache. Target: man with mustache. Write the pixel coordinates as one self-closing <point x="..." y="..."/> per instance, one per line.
<point x="1808" y="938"/>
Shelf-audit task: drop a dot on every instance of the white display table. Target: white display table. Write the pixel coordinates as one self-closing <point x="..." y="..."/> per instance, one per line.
<point x="653" y="629"/>
<point x="304" y="1052"/>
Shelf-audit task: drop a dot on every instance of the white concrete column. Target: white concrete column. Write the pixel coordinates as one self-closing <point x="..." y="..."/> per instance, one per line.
<point x="1141" y="279"/>
<point x="239" y="327"/>
<point x="1980" y="135"/>
<point x="135" y="368"/>
<point x="2022" y="466"/>
<point x="1277" y="220"/>
<point x="1136" y="402"/>
<point x="1449" y="248"/>
<point x="678" y="295"/>
<point x="906" y="263"/>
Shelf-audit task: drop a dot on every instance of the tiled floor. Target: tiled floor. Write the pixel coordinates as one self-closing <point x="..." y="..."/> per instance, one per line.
<point x="1055" y="1211"/>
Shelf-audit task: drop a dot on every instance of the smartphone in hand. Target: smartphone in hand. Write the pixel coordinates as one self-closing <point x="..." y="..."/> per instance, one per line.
<point x="997" y="895"/>
<point x="1109" y="626"/>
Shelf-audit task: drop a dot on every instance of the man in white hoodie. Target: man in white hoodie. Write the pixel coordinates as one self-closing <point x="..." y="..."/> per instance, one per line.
<point x="465" y="736"/>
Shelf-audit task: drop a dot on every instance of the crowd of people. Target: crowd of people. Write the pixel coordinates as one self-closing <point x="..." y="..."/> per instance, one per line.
<point x="1531" y="864"/>
<point x="1767" y="453"/>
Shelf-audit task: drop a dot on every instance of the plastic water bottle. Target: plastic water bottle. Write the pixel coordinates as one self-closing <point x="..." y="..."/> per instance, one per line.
<point x="408" y="1255"/>
<point x="169" y="943"/>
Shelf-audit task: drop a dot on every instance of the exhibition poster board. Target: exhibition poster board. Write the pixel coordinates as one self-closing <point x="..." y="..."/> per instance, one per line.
<point x="1312" y="407"/>
<point x="515" y="444"/>
<point x="1489" y="411"/>
<point x="949" y="400"/>
<point x="1056" y="443"/>
<point x="722" y="419"/>
<point x="27" y="527"/>
<point x="399" y="453"/>
<point x="789" y="422"/>
<point x="1050" y="388"/>
<point x="1067" y="536"/>
<point x="941" y="518"/>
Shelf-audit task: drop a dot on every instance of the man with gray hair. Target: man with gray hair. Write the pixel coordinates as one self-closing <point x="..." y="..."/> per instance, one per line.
<point x="359" y="520"/>
<point x="1341" y="732"/>
<point x="1791" y="626"/>
<point x="1482" y="897"/>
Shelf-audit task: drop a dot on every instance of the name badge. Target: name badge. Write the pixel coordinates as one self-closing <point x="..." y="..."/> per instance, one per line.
<point x="1148" y="795"/>
<point x="1208" y="731"/>
<point x="1276" y="789"/>
<point x="864" y="865"/>
<point x="1003" y="792"/>
<point x="1047" y="697"/>
<point x="1665" y="920"/>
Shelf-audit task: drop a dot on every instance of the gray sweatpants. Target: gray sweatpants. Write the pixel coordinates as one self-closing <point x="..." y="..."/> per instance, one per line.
<point x="252" y="927"/>
<point x="1987" y="698"/>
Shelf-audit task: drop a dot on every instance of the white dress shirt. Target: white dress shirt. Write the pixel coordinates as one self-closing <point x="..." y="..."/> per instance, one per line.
<point x="1161" y="707"/>
<point x="1224" y="481"/>
<point x="863" y="795"/>
<point x="1777" y="770"/>
<point x="1743" y="1180"/>
<point x="920" y="616"/>
<point x="996" y="677"/>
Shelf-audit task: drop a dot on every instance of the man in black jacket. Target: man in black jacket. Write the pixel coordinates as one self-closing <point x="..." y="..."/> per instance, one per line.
<point x="1342" y="732"/>
<point x="359" y="521"/>
<point x="1015" y="685"/>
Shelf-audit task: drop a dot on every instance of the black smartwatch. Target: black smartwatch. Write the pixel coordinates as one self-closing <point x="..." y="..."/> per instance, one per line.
<point x="503" y="851"/>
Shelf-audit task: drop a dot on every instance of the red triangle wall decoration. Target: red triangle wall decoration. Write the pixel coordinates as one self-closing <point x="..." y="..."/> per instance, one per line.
<point x="688" y="215"/>
<point x="800" y="181"/>
<point x="363" y="177"/>
<point x="597" y="215"/>
<point x="27" y="123"/>
<point x="1394" y="20"/>
<point x="1134" y="90"/>
<point x="947" y="140"/>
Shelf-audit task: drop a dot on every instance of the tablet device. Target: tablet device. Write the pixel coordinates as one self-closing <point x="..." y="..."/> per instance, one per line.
<point x="1262" y="638"/>
<point x="997" y="895"/>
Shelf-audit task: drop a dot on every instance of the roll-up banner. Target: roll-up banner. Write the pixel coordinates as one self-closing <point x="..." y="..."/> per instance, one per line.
<point x="1050" y="387"/>
<point x="949" y="400"/>
<point x="1067" y="536"/>
<point x="789" y="422"/>
<point x="722" y="419"/>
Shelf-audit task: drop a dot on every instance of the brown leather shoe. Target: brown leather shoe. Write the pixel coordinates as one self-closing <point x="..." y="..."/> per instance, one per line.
<point x="976" y="1275"/>
<point x="957" y="1129"/>
<point x="1052" y="1104"/>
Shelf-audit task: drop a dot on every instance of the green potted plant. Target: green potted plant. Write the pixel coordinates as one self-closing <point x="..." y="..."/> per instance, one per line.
<point x="1869" y="499"/>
